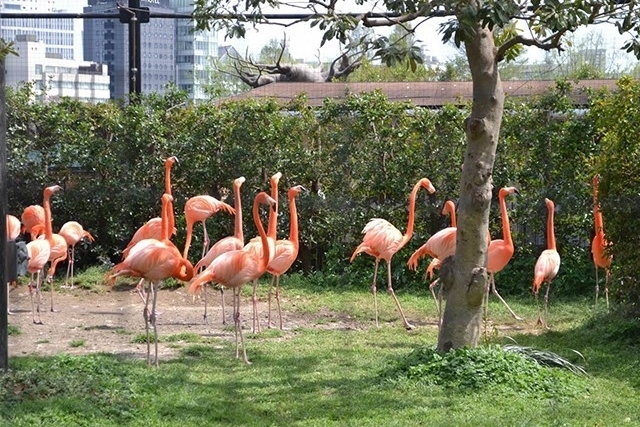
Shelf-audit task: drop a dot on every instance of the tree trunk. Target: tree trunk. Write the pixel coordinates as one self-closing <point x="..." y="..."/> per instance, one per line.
<point x="465" y="277"/>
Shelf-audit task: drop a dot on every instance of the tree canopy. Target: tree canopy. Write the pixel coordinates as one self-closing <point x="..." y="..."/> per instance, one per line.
<point x="490" y="31"/>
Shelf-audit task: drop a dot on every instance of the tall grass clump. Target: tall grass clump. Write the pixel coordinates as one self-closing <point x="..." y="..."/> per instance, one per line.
<point x="492" y="368"/>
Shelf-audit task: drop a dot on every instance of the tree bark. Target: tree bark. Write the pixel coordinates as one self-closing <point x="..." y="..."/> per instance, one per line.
<point x="465" y="277"/>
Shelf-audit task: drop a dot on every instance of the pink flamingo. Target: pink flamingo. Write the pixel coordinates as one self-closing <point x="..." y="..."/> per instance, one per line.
<point x="154" y="260"/>
<point x="286" y="251"/>
<point x="72" y="232"/>
<point x="199" y="209"/>
<point x="153" y="228"/>
<point x="226" y="244"/>
<point x="500" y="251"/>
<point x="39" y="252"/>
<point x="439" y="246"/>
<point x="32" y="216"/>
<point x="235" y="268"/>
<point x="547" y="265"/>
<point x="255" y="245"/>
<point x="599" y="244"/>
<point x="382" y="240"/>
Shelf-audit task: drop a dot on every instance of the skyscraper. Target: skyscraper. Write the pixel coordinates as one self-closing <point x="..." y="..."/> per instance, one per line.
<point x="107" y="41"/>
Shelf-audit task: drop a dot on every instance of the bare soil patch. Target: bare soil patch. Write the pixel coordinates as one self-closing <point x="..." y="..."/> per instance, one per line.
<point x="90" y="322"/>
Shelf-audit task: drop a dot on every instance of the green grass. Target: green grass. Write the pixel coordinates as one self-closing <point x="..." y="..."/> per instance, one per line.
<point x="77" y="343"/>
<point x="367" y="376"/>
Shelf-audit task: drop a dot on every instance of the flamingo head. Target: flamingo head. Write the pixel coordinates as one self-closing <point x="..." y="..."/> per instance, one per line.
<point x="51" y="190"/>
<point x="294" y="191"/>
<point x="427" y="185"/>
<point x="239" y="181"/>
<point x="170" y="161"/>
<point x="505" y="191"/>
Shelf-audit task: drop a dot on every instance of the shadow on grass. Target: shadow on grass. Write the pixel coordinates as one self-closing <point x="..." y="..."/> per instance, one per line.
<point x="608" y="342"/>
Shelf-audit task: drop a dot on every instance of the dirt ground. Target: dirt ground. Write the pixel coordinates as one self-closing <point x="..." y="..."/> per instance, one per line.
<point x="107" y="321"/>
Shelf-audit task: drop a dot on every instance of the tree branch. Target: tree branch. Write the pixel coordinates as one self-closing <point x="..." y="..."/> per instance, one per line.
<point x="552" y="42"/>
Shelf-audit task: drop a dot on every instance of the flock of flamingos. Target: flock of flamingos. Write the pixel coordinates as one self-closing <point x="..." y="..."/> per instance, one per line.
<point x="230" y="263"/>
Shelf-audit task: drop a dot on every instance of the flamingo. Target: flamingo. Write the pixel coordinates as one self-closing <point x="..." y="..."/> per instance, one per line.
<point x="500" y="251"/>
<point x="32" y="216"/>
<point x="382" y="240"/>
<point x="154" y="260"/>
<point x="235" y="268"/>
<point x="199" y="209"/>
<point x="153" y="229"/>
<point x="255" y="245"/>
<point x="599" y="244"/>
<point x="547" y="265"/>
<point x="286" y="251"/>
<point x="13" y="231"/>
<point x="72" y="232"/>
<point x="226" y="244"/>
<point x="439" y="246"/>
<point x="39" y="252"/>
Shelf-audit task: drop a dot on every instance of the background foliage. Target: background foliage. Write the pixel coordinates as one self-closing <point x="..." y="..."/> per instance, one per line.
<point x="360" y="158"/>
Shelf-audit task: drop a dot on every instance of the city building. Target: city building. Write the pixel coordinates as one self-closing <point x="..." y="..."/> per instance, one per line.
<point x="58" y="35"/>
<point x="54" y="77"/>
<point x="194" y="52"/>
<point x="107" y="41"/>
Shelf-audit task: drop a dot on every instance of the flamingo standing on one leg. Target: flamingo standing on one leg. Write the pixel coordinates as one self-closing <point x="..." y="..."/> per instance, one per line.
<point x="439" y="246"/>
<point x="226" y="244"/>
<point x="500" y="252"/>
<point x="235" y="268"/>
<point x="39" y="252"/>
<point x="286" y="251"/>
<point x="72" y="232"/>
<point x="382" y="240"/>
<point x="547" y="265"/>
<point x="255" y="245"/>
<point x="599" y="244"/>
<point x="154" y="260"/>
<point x="13" y="231"/>
<point x="32" y="217"/>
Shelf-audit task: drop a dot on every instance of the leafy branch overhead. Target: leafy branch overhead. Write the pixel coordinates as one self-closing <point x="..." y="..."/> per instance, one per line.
<point x="541" y="24"/>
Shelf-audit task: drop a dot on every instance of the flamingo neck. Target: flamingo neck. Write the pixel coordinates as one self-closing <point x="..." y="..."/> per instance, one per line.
<point x="451" y="209"/>
<point x="185" y="274"/>
<point x="167" y="190"/>
<point x="164" y="216"/>
<point x="293" y="220"/>
<point x="263" y="236"/>
<point x="551" y="236"/>
<point x="506" y="229"/>
<point x="273" y="212"/>
<point x="412" y="210"/>
<point x="238" y="233"/>
<point x="48" y="229"/>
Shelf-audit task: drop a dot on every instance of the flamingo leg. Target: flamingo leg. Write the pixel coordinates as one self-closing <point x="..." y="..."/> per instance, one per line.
<point x="495" y="292"/>
<point x="224" y="317"/>
<point x="8" y="289"/>
<point x="239" y="329"/>
<point x="141" y="291"/>
<point x="35" y="307"/>
<point x="278" y="300"/>
<point x="145" y="315"/>
<point x="50" y="281"/>
<point x="273" y="278"/>
<point x="597" y="287"/>
<point x="207" y="242"/>
<point x="546" y="304"/>
<point x="72" y="262"/>
<point x="438" y="303"/>
<point x="70" y="257"/>
<point x="407" y="325"/>
<point x="539" y="322"/>
<point x="204" y="291"/>
<point x="256" y="318"/>
<point x="155" y="287"/>
<point x="374" y="290"/>
<point x="606" y="286"/>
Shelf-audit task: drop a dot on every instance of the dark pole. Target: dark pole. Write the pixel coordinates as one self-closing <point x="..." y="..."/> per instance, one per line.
<point x="4" y="320"/>
<point x="135" y="82"/>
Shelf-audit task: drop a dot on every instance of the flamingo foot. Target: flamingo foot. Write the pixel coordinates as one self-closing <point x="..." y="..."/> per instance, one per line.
<point x="409" y="326"/>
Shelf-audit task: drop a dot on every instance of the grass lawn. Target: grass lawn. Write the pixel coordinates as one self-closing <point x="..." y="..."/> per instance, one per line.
<point x="340" y="377"/>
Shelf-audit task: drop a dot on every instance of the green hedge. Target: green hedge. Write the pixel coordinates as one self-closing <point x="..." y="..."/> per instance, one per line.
<point x="359" y="157"/>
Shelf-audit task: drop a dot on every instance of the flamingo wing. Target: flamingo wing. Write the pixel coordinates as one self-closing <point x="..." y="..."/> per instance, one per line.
<point x="381" y="239"/>
<point x="227" y="244"/>
<point x="13" y="227"/>
<point x="231" y="269"/>
<point x="285" y="255"/>
<point x="546" y="268"/>
<point x="499" y="254"/>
